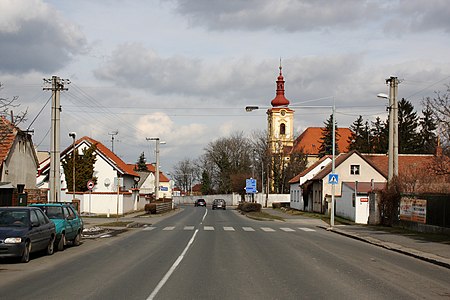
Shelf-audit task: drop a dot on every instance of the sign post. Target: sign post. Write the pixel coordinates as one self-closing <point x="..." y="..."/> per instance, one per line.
<point x="90" y="185"/>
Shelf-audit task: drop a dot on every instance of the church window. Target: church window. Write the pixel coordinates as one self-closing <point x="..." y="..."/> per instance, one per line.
<point x="283" y="129"/>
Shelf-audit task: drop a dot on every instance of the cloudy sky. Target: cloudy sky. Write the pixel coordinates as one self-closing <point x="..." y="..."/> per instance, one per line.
<point x="184" y="70"/>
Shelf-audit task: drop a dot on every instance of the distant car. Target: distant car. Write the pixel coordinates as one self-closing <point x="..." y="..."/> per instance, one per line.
<point x="200" y="202"/>
<point x="69" y="224"/>
<point x="24" y="230"/>
<point x="219" y="203"/>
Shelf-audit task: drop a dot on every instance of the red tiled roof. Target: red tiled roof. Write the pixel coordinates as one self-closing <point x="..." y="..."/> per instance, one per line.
<point x="151" y="168"/>
<point x="310" y="141"/>
<point x="405" y="162"/>
<point x="7" y="135"/>
<point x="102" y="149"/>
<point x="307" y="170"/>
<point x="365" y="187"/>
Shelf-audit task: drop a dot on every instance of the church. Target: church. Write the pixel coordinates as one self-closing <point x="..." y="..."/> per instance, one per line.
<point x="280" y="134"/>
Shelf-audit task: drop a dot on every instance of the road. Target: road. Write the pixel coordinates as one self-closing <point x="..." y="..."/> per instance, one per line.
<point x="213" y="254"/>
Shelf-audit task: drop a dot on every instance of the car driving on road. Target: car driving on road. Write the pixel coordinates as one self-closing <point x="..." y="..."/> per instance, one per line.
<point x="219" y="203"/>
<point x="200" y="202"/>
<point x="24" y="230"/>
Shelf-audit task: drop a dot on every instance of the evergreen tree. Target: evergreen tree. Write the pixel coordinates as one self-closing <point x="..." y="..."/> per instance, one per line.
<point x="84" y="168"/>
<point x="206" y="183"/>
<point x="141" y="164"/>
<point x="379" y="136"/>
<point x="367" y="138"/>
<point x="428" y="138"/>
<point x="408" y="138"/>
<point x="326" y="147"/>
<point x="357" y="140"/>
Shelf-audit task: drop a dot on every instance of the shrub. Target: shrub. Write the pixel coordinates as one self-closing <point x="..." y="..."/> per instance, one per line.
<point x="390" y="203"/>
<point x="150" y="208"/>
<point x="249" y="207"/>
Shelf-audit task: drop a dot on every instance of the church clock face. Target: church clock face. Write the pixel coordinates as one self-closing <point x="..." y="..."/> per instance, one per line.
<point x="283" y="113"/>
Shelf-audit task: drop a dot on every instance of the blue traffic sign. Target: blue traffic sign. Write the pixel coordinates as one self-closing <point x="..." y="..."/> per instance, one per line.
<point x="333" y="178"/>
<point x="250" y="186"/>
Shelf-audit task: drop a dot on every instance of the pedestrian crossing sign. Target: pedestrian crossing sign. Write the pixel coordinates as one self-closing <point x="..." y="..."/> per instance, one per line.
<point x="333" y="179"/>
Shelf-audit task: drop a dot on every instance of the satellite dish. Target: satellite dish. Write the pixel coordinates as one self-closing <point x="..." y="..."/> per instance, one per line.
<point x="107" y="182"/>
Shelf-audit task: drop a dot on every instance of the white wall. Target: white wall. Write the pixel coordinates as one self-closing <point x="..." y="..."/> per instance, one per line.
<point x="107" y="203"/>
<point x="344" y="206"/>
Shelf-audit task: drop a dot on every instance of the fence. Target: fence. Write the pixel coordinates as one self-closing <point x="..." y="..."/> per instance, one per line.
<point x="438" y="210"/>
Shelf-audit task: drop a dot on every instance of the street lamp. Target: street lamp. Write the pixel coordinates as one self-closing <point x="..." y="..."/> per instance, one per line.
<point x="333" y="161"/>
<point x="73" y="135"/>
<point x="393" y="126"/>
<point x="158" y="142"/>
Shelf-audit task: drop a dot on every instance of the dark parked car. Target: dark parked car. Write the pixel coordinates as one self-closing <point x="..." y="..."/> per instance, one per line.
<point x="24" y="230"/>
<point x="200" y="202"/>
<point x="69" y="224"/>
<point x="219" y="203"/>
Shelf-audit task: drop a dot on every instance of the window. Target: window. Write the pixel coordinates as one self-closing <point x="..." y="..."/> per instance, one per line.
<point x="41" y="217"/>
<point x="354" y="169"/>
<point x="283" y="129"/>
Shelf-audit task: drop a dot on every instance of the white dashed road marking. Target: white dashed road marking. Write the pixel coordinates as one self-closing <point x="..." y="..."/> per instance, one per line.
<point x="169" y="228"/>
<point x="248" y="229"/>
<point x="188" y="228"/>
<point x="208" y="228"/>
<point x="228" y="228"/>
<point x="287" y="229"/>
<point x="267" y="229"/>
<point x="306" y="229"/>
<point x="149" y="228"/>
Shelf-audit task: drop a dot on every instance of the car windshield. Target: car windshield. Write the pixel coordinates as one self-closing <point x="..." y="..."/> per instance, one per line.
<point x="53" y="212"/>
<point x="14" y="218"/>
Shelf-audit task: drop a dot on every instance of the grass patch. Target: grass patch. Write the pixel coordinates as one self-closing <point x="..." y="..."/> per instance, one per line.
<point x="263" y="216"/>
<point x="116" y="224"/>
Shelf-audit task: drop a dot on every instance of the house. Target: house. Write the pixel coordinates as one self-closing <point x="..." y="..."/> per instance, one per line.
<point x="104" y="198"/>
<point x="146" y="184"/>
<point x="350" y="167"/>
<point x="18" y="164"/>
<point x="297" y="201"/>
<point x="353" y="203"/>
<point x="309" y="142"/>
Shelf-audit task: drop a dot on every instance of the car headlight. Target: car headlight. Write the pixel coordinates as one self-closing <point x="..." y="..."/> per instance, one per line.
<point x="13" y="240"/>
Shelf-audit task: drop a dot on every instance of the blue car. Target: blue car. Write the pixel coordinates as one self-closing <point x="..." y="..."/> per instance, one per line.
<point x="24" y="230"/>
<point x="69" y="225"/>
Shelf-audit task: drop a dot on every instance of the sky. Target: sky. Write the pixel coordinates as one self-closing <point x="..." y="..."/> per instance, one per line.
<point x="184" y="70"/>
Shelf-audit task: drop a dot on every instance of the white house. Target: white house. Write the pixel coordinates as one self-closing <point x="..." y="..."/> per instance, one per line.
<point x="297" y="201"/>
<point x="18" y="162"/>
<point x="353" y="204"/>
<point x="350" y="167"/>
<point x="147" y="180"/>
<point x="104" y="197"/>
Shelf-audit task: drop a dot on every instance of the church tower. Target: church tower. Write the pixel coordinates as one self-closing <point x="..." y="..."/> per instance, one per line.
<point x="280" y="121"/>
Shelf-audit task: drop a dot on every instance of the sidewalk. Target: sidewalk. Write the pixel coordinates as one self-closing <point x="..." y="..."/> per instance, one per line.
<point x="433" y="248"/>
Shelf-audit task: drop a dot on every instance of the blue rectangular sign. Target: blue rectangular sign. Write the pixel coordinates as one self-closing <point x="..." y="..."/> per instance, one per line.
<point x="250" y="186"/>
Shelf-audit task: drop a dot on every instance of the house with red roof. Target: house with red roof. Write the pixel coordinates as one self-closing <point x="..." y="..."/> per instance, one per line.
<point x="297" y="201"/>
<point x="18" y="162"/>
<point x="310" y="140"/>
<point x="103" y="198"/>
<point x="350" y="167"/>
<point x="146" y="184"/>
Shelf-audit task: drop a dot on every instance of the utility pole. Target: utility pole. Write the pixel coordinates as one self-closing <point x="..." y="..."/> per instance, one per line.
<point x="55" y="177"/>
<point x="112" y="134"/>
<point x="393" y="127"/>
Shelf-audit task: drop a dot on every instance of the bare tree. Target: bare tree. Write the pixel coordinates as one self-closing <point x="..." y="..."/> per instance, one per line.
<point x="184" y="175"/>
<point x="440" y="106"/>
<point x="6" y="109"/>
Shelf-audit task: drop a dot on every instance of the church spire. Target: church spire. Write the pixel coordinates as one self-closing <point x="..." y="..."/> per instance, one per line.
<point x="280" y="99"/>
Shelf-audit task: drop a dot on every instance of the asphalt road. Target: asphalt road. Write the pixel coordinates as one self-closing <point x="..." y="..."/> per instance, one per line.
<point x="213" y="254"/>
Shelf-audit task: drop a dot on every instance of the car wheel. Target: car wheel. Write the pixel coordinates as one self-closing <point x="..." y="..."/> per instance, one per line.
<point x="77" y="240"/>
<point x="26" y="253"/>
<point x="61" y="242"/>
<point x="51" y="246"/>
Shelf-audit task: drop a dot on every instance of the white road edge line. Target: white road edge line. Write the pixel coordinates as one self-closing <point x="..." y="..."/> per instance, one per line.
<point x="172" y="269"/>
<point x="204" y="216"/>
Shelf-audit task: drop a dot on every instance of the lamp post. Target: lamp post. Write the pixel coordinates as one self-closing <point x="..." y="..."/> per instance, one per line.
<point x="158" y="142"/>
<point x="73" y="135"/>
<point x="333" y="109"/>
<point x="393" y="126"/>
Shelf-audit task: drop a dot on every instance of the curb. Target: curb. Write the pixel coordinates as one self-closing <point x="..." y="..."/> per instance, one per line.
<point x="428" y="257"/>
